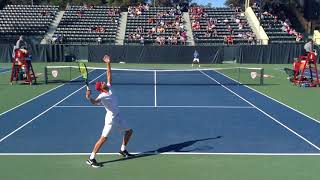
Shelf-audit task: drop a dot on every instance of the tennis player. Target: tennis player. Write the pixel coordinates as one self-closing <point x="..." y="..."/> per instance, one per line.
<point x="196" y="58"/>
<point x="112" y="118"/>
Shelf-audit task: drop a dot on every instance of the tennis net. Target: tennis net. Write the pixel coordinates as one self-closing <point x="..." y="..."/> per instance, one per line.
<point x="211" y="76"/>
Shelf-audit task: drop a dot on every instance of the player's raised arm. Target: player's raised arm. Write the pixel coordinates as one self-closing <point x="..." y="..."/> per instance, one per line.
<point x="106" y="59"/>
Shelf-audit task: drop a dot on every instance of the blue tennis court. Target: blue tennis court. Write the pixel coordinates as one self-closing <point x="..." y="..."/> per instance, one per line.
<point x="212" y="115"/>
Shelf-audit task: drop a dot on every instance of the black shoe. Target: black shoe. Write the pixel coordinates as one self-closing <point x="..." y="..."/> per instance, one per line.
<point x="126" y="154"/>
<point x="93" y="163"/>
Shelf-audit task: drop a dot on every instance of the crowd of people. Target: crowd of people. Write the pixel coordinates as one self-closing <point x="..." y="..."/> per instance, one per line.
<point x="163" y="28"/>
<point x="211" y="30"/>
<point x="134" y="11"/>
<point x="278" y="15"/>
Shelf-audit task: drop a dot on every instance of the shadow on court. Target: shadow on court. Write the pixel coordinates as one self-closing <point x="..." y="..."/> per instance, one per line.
<point x="170" y="148"/>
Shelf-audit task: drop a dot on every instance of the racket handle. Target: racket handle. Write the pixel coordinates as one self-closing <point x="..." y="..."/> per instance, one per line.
<point x="88" y="89"/>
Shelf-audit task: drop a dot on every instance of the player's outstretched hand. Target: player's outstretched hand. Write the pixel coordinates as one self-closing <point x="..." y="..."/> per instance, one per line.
<point x="106" y="59"/>
<point x="88" y="93"/>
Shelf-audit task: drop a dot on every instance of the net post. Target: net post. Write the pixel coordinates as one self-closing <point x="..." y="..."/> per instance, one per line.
<point x="70" y="75"/>
<point x="262" y="76"/>
<point x="239" y="69"/>
<point x="45" y="75"/>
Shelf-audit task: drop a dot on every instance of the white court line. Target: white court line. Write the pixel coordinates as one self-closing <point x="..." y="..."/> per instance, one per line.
<point x="165" y="153"/>
<point x="274" y="119"/>
<point x="31" y="99"/>
<point x="217" y="107"/>
<point x="314" y="119"/>
<point x="155" y="88"/>
<point x="36" y="97"/>
<point x="8" y="135"/>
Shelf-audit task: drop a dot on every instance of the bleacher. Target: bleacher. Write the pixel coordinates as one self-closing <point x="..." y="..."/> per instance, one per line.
<point x="275" y="32"/>
<point x="152" y="18"/>
<point x="30" y="21"/>
<point x="81" y="25"/>
<point x="220" y="14"/>
<point x="100" y="25"/>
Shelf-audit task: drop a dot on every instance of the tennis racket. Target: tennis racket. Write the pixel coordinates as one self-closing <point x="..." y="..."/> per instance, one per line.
<point x="84" y="73"/>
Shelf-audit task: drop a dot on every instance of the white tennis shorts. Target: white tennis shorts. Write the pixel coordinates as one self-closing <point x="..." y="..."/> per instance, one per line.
<point x="195" y="59"/>
<point x="114" y="120"/>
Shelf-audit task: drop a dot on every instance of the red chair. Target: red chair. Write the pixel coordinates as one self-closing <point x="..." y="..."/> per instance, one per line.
<point x="18" y="63"/>
<point x="303" y="63"/>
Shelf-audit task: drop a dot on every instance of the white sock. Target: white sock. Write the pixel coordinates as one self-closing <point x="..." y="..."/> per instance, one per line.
<point x="123" y="147"/>
<point x="92" y="155"/>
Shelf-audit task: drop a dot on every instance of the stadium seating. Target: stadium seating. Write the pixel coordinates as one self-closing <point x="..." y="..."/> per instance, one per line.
<point x="221" y="14"/>
<point x="274" y="25"/>
<point x="94" y="25"/>
<point x="275" y="32"/>
<point x="154" y="18"/>
<point x="31" y="21"/>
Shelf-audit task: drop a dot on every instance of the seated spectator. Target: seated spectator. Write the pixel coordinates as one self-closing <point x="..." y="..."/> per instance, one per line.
<point x="137" y="36"/>
<point x="138" y="12"/>
<point x="151" y="21"/>
<point x="80" y="13"/>
<point x="161" y="23"/>
<point x="226" y="21"/>
<point x="174" y="40"/>
<point x="139" y="30"/>
<point x="130" y="37"/>
<point x="163" y="40"/>
<point x="99" y="40"/>
<point x="198" y="26"/>
<point x="100" y="29"/>
<point x="158" y="40"/>
<point x="146" y="7"/>
<point x="44" y="13"/>
<point x="238" y="20"/>
<point x="142" y="40"/>
<point x="240" y="26"/>
<point x="114" y="20"/>
<point x="183" y="37"/>
<point x="299" y="37"/>
<point x="230" y="30"/>
<point x="207" y="34"/>
<point x="228" y="39"/>
<point x="161" y="29"/>
<point x="215" y="33"/>
<point x="251" y="40"/>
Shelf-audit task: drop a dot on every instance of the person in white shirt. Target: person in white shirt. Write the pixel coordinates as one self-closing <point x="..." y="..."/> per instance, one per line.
<point x="195" y="58"/>
<point x="112" y="118"/>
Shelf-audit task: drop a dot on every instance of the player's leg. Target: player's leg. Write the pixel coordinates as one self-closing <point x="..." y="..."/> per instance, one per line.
<point x="97" y="146"/>
<point x="125" y="141"/>
<point x="126" y="138"/>
<point x="196" y="60"/>
<point x="92" y="160"/>
<point x="123" y="127"/>
<point x="104" y="136"/>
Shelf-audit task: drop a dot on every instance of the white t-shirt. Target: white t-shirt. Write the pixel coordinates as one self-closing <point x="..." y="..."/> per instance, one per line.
<point x="109" y="101"/>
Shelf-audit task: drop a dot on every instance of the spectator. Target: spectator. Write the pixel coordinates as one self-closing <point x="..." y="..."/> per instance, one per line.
<point x="308" y="47"/>
<point x="228" y="39"/>
<point x="99" y="40"/>
<point x="174" y="40"/>
<point x="299" y="37"/>
<point x="141" y="40"/>
<point x="226" y="21"/>
<point x="80" y="13"/>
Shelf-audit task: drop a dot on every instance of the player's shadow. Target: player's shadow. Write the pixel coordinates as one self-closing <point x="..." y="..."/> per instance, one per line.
<point x="170" y="148"/>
